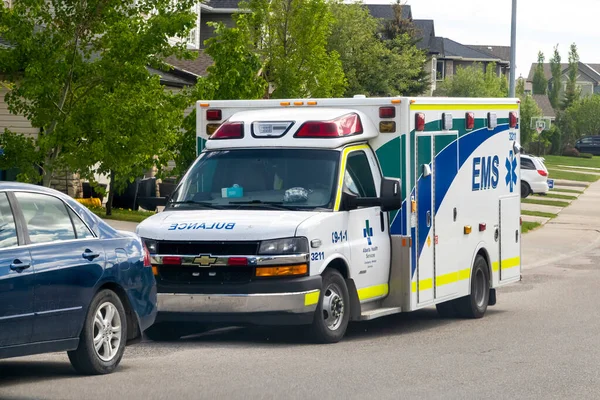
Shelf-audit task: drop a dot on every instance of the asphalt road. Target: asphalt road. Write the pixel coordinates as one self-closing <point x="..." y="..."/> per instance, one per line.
<point x="539" y="341"/>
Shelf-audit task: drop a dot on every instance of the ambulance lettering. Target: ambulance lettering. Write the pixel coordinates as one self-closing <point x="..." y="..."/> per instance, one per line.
<point x="485" y="173"/>
<point x="202" y="225"/>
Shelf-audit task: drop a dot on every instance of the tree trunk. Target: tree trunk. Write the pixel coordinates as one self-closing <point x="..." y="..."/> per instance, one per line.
<point x="111" y="193"/>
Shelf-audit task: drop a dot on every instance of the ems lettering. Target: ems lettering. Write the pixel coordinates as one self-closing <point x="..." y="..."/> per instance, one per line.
<point x="485" y="173"/>
<point x="202" y="225"/>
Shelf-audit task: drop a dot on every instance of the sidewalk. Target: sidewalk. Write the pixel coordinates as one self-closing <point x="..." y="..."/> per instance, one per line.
<point x="575" y="230"/>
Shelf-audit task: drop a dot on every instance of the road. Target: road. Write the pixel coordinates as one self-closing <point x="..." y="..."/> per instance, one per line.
<point x="539" y="341"/>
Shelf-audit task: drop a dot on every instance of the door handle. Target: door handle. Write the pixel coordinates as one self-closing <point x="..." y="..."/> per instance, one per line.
<point x="19" y="266"/>
<point x="428" y="218"/>
<point x="90" y="255"/>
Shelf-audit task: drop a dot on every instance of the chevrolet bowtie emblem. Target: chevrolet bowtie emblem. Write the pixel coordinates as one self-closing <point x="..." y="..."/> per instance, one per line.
<point x="205" y="261"/>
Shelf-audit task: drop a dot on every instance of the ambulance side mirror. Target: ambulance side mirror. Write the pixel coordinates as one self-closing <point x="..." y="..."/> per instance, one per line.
<point x="517" y="148"/>
<point x="391" y="194"/>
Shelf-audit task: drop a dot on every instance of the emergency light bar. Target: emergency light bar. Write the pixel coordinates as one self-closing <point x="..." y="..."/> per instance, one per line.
<point x="229" y="130"/>
<point x="512" y="116"/>
<point x="346" y="125"/>
<point x="470" y="121"/>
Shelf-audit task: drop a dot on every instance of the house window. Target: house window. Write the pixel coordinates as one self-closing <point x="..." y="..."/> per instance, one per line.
<point x="440" y="70"/>
<point x="192" y="39"/>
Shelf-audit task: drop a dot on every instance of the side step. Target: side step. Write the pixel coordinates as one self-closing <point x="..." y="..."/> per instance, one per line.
<point x="379" y="312"/>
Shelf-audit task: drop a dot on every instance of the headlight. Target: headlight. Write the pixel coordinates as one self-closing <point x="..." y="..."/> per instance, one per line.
<point x="152" y="245"/>
<point x="284" y="246"/>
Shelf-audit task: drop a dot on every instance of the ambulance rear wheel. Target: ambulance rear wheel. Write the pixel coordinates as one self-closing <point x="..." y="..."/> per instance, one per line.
<point x="333" y="310"/>
<point x="475" y="305"/>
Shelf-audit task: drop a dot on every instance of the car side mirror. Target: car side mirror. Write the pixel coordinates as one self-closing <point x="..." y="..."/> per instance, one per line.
<point x="391" y="194"/>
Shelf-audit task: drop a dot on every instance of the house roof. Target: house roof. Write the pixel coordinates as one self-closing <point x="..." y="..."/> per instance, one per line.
<point x="197" y="66"/>
<point x="4" y="43"/>
<point x="449" y="49"/>
<point x="219" y="6"/>
<point x="425" y="31"/>
<point x="591" y="70"/>
<point x="499" y="52"/>
<point x="386" y="11"/>
<point x="544" y="104"/>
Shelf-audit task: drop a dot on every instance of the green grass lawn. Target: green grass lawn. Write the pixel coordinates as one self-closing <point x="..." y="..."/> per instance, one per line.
<point x="528" y="226"/>
<point x="122" y="215"/>
<point x="565" y="191"/>
<point x="538" y="214"/>
<point x="572" y="176"/>
<point x="551" y="195"/>
<point x="554" y="203"/>
<point x="593" y="162"/>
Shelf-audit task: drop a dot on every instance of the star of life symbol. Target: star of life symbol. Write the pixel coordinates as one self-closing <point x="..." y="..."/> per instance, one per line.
<point x="511" y="171"/>
<point x="368" y="232"/>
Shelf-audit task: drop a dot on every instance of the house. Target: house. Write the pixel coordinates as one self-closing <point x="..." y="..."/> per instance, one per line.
<point x="544" y="104"/>
<point x="444" y="55"/>
<point x="588" y="78"/>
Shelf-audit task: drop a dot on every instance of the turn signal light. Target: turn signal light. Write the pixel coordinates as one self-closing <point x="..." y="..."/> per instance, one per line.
<point x="229" y="130"/>
<point x="287" y="270"/>
<point x="343" y="126"/>
<point x="468" y="229"/>
<point x="387" y="126"/>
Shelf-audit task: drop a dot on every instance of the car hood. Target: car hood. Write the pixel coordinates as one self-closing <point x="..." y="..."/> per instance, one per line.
<point x="222" y="224"/>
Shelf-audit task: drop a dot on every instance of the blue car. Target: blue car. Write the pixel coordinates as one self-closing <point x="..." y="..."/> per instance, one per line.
<point x="68" y="281"/>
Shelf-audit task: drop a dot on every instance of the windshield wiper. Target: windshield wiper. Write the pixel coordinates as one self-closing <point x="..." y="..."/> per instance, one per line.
<point x="275" y="205"/>
<point x="198" y="203"/>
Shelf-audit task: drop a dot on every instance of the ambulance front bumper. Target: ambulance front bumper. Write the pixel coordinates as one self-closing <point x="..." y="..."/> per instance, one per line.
<point x="294" y="302"/>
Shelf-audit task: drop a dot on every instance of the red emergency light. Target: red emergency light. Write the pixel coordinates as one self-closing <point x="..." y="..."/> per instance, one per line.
<point x="237" y="261"/>
<point x="171" y="260"/>
<point x="229" y="130"/>
<point x="387" y="112"/>
<point x="512" y="116"/>
<point x="469" y="120"/>
<point x="214" y="115"/>
<point x="420" y="122"/>
<point x="346" y="125"/>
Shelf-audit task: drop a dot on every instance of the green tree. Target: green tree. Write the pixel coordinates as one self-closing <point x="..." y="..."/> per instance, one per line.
<point x="291" y="37"/>
<point x="406" y="62"/>
<point x="65" y="54"/>
<point x="234" y="75"/>
<point x="540" y="83"/>
<point x="582" y="118"/>
<point x="472" y="81"/>
<point x="556" y="68"/>
<point x="572" y="92"/>
<point x="528" y="110"/>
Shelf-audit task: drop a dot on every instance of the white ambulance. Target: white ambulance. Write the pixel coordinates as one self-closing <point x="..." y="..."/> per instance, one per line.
<point x="318" y="212"/>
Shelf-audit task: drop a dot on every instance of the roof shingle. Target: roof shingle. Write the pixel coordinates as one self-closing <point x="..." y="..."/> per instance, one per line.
<point x="197" y="66"/>
<point x="544" y="104"/>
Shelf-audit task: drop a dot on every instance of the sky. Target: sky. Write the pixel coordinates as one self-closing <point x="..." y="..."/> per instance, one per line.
<point x="541" y="25"/>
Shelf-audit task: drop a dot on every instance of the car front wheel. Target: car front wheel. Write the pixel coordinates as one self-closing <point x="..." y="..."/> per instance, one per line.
<point x="103" y="337"/>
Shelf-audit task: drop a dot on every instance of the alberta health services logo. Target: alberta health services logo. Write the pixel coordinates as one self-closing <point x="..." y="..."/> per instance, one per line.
<point x="511" y="171"/>
<point x="368" y="232"/>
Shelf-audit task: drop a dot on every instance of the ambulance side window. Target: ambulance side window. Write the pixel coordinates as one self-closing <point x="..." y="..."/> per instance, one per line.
<point x="358" y="177"/>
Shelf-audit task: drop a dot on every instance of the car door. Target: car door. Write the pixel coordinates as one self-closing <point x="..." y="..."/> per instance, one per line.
<point x="68" y="260"/>
<point x="368" y="228"/>
<point x="16" y="281"/>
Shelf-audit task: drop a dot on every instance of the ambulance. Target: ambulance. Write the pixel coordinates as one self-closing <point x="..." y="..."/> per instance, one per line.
<point x="318" y="212"/>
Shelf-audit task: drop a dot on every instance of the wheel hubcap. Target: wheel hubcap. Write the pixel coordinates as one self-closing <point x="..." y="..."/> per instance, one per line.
<point x="107" y="331"/>
<point x="333" y="307"/>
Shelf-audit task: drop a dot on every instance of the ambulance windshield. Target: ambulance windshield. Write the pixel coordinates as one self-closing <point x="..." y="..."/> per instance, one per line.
<point x="296" y="179"/>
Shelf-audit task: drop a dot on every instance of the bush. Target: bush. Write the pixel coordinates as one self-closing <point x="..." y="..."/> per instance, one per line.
<point x="585" y="155"/>
<point x="571" y="152"/>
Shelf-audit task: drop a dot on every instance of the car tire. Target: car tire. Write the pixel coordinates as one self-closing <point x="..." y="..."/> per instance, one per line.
<point x="333" y="310"/>
<point x="103" y="337"/>
<point x="166" y="331"/>
<point x="475" y="304"/>
<point x="525" y="189"/>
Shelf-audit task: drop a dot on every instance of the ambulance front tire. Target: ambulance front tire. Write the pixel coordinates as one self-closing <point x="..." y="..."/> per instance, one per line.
<point x="475" y="304"/>
<point x="333" y="310"/>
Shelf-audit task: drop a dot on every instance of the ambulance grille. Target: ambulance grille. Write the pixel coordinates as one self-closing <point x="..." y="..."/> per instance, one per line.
<point x="209" y="248"/>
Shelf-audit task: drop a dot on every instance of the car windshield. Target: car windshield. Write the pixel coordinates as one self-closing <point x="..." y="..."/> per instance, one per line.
<point x="297" y="179"/>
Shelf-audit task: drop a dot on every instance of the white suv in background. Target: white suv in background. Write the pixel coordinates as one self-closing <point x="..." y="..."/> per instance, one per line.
<point x="534" y="176"/>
